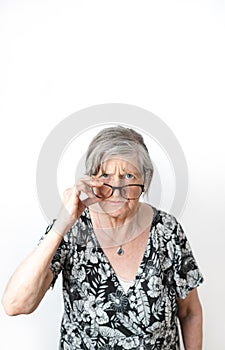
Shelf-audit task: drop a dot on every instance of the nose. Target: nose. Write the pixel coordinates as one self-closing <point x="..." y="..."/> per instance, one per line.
<point x="117" y="181"/>
<point x="116" y="193"/>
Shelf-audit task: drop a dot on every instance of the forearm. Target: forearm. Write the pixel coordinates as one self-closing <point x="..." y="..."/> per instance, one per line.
<point x="29" y="282"/>
<point x="191" y="327"/>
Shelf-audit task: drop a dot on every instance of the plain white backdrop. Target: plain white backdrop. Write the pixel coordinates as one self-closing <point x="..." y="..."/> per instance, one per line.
<point x="58" y="57"/>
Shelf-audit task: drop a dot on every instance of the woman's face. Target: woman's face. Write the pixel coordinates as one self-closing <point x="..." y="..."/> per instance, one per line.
<point x="119" y="172"/>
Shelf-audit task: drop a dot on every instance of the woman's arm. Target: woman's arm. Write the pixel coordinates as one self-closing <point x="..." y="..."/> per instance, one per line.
<point x="190" y="316"/>
<point x="32" y="278"/>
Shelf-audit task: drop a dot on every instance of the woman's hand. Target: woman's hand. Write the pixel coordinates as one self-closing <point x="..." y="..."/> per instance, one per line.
<point x="72" y="204"/>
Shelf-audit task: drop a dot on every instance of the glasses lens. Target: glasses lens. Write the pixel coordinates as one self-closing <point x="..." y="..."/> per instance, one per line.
<point x="103" y="191"/>
<point x="131" y="192"/>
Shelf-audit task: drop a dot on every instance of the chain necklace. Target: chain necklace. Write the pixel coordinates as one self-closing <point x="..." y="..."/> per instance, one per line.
<point x="120" y="250"/>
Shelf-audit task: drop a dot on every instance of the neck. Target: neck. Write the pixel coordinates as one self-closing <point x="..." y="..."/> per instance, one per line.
<point x="114" y="232"/>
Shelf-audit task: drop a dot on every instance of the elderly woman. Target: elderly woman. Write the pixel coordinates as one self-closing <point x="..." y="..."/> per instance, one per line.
<point x="128" y="270"/>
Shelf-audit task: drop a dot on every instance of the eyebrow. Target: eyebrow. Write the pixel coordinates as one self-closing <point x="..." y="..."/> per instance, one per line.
<point x="124" y="171"/>
<point x="136" y="172"/>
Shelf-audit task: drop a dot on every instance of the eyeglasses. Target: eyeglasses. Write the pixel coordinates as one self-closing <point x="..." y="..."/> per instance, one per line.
<point x="131" y="191"/>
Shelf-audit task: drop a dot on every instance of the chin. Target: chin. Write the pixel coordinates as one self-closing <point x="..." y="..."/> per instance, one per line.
<point x="114" y="209"/>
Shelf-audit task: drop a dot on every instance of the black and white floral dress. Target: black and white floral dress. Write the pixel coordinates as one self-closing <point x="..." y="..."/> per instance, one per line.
<point x="99" y="314"/>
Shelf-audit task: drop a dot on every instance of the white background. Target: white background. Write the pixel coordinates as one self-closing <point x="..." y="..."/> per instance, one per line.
<point x="58" y="57"/>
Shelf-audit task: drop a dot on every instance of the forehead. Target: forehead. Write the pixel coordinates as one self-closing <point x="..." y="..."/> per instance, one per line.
<point x="123" y="164"/>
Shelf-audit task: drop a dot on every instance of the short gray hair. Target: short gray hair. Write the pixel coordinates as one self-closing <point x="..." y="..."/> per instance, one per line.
<point x="117" y="141"/>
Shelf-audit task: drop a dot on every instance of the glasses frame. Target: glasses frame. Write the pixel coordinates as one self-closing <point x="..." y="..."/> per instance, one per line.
<point x="120" y="188"/>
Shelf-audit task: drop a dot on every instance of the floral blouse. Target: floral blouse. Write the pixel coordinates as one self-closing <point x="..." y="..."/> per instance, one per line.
<point x="98" y="314"/>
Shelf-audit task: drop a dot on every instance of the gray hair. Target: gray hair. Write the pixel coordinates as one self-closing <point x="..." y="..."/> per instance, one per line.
<point x="117" y="141"/>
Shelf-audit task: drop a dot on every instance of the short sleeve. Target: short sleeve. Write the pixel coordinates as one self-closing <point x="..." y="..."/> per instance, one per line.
<point x="58" y="262"/>
<point x="187" y="275"/>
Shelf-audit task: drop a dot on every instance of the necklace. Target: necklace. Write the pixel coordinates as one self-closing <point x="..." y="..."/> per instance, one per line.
<point x="120" y="250"/>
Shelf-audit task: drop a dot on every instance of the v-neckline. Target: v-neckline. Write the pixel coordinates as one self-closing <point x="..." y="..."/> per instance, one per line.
<point x="106" y="260"/>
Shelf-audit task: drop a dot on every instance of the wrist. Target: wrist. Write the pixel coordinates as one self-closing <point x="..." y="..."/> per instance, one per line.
<point x="61" y="227"/>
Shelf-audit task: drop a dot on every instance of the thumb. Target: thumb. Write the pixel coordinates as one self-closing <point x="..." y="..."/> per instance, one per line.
<point x="91" y="200"/>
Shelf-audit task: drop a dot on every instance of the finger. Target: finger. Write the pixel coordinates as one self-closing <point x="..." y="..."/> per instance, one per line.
<point x="91" y="181"/>
<point x="71" y="191"/>
<point x="89" y="201"/>
<point x="86" y="186"/>
<point x="84" y="189"/>
<point x="76" y="190"/>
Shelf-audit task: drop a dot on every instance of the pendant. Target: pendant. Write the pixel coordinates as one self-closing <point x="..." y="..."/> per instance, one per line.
<point x="120" y="251"/>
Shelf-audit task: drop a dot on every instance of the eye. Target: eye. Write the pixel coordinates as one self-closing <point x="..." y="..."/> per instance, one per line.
<point x="129" y="176"/>
<point x="105" y="176"/>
